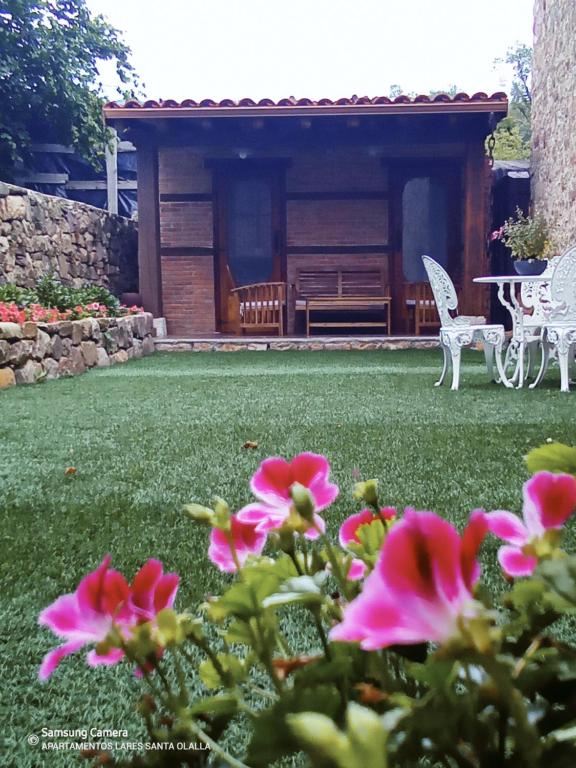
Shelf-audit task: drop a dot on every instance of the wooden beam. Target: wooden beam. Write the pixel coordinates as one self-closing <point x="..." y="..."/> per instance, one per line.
<point x="101" y="184"/>
<point x="149" y="261"/>
<point x="111" y="155"/>
<point x="475" y="254"/>
<point x="43" y="178"/>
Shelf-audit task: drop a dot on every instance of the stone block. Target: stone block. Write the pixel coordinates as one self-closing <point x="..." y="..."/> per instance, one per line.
<point x="13" y="207"/>
<point x="102" y="359"/>
<point x="10" y="331"/>
<point x="20" y="352"/>
<point x="56" y="348"/>
<point x="4" y="351"/>
<point x="77" y="331"/>
<point x="77" y="362"/>
<point x="7" y="378"/>
<point x="148" y="345"/>
<point x="89" y="353"/>
<point x="28" y="373"/>
<point x="29" y="330"/>
<point x="50" y="368"/>
<point x="119" y="357"/>
<point x="42" y="345"/>
<point x="64" y="328"/>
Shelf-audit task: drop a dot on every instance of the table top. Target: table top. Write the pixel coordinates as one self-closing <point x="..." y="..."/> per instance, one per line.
<point x="513" y="279"/>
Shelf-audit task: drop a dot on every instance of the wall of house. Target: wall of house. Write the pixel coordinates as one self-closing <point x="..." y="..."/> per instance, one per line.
<point x="186" y="242"/>
<point x="554" y="117"/>
<point x="42" y="233"/>
<point x="335" y="201"/>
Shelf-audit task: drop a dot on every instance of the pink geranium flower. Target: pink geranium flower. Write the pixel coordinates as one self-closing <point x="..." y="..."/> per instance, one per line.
<point x="549" y="500"/>
<point x="102" y="600"/>
<point x="421" y="587"/>
<point x="272" y="484"/>
<point x="247" y="539"/>
<point x="348" y="533"/>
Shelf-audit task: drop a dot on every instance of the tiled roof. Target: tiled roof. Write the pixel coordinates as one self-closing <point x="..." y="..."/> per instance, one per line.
<point x="442" y="102"/>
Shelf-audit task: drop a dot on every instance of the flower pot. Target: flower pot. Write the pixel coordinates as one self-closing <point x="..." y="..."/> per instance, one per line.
<point x="530" y="266"/>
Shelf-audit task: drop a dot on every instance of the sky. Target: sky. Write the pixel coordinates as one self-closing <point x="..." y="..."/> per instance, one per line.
<point x="316" y="48"/>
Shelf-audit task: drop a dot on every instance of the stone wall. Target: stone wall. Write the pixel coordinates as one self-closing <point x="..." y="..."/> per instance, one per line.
<point x="32" y="352"/>
<point x="554" y="117"/>
<point x="41" y="233"/>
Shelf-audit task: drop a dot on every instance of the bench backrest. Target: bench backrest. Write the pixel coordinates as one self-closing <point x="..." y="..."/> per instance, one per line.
<point x="340" y="282"/>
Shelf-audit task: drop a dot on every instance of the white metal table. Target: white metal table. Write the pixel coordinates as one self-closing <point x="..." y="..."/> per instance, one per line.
<point x="522" y="334"/>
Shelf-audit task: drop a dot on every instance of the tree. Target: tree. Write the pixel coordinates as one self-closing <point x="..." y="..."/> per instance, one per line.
<point x="514" y="132"/>
<point x="50" y="91"/>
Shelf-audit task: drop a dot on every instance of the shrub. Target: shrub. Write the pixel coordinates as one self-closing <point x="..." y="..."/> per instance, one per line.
<point x="414" y="664"/>
<point x="66" y="302"/>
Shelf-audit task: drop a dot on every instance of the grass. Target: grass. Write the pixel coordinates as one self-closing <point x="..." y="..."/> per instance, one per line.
<point x="154" y="434"/>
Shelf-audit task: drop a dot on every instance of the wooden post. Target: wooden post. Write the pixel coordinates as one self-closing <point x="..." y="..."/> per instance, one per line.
<point x="149" y="264"/>
<point x="475" y="262"/>
<point x="111" y="152"/>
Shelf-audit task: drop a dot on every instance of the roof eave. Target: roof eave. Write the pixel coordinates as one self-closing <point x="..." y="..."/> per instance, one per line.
<point x="453" y="107"/>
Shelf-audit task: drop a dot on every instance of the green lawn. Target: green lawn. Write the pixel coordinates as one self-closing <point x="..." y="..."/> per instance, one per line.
<point x="151" y="435"/>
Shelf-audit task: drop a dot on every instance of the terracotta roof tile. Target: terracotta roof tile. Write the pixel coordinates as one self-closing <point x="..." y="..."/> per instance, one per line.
<point x="480" y="96"/>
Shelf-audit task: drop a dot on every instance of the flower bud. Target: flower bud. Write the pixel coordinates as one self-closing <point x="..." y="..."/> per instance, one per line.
<point x="199" y="513"/>
<point x="221" y="514"/>
<point x="303" y="501"/>
<point x="368" y="491"/>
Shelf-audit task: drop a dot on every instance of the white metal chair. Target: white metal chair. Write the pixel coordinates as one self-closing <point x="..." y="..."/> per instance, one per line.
<point x="534" y="296"/>
<point x="559" y="324"/>
<point x="457" y="331"/>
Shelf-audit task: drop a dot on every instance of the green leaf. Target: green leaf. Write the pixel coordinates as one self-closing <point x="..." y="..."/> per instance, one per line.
<point x="560" y="576"/>
<point x="554" y="457"/>
<point x="272" y="737"/>
<point x="226" y="704"/>
<point x="234" y="668"/>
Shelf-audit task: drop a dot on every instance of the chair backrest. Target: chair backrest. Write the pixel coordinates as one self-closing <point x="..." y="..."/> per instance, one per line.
<point x="563" y="288"/>
<point x="535" y="295"/>
<point x="443" y="290"/>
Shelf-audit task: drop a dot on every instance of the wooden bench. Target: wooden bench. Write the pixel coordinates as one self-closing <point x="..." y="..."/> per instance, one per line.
<point x="342" y="290"/>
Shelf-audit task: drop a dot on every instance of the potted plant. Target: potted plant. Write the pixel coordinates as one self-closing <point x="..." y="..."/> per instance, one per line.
<point x="528" y="239"/>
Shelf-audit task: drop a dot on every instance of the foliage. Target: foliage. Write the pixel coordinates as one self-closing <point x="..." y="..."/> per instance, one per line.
<point x="49" y="78"/>
<point x="514" y="132"/>
<point x="51" y="300"/>
<point x="526" y="236"/>
<point x="494" y="688"/>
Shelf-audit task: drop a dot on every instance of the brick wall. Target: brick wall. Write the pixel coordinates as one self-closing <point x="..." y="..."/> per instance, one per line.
<point x="188" y="294"/>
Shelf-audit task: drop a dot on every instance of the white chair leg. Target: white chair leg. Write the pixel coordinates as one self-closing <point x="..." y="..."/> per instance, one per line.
<point x="445" y="364"/>
<point x="489" y="355"/>
<point x="564" y="378"/>
<point x="543" y="364"/>
<point x="532" y="348"/>
<point x="455" y="354"/>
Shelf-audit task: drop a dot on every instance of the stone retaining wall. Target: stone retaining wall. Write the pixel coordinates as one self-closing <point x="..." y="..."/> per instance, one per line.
<point x="32" y="352"/>
<point x="554" y="117"/>
<point x="291" y="344"/>
<point x="81" y="244"/>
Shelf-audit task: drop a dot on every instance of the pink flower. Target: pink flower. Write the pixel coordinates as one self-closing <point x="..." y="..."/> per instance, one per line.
<point x="86" y="615"/>
<point x="102" y="600"/>
<point x="421" y="586"/>
<point x="549" y="500"/>
<point x="247" y="539"/>
<point x="349" y="528"/>
<point x="272" y="484"/>
<point x="357" y="570"/>
<point x="152" y="590"/>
